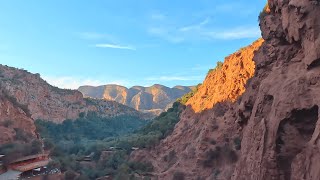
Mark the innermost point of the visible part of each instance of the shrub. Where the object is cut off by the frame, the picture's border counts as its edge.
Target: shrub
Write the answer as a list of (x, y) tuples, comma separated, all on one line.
[(216, 173), (21, 135), (233, 157), (213, 142), (184, 99), (7, 123), (70, 175), (237, 143), (219, 109), (218, 66), (141, 167), (211, 157), (178, 176)]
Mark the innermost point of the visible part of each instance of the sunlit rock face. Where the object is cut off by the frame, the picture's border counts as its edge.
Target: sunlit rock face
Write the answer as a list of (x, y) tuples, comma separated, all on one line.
[(226, 83)]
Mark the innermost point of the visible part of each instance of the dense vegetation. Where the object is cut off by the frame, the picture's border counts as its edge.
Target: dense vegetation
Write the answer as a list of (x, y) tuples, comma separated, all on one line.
[(184, 99), (71, 141), (152, 133), (90, 127)]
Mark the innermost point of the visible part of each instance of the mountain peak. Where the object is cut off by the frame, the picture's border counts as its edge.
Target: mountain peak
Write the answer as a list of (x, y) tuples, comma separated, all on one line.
[(155, 98)]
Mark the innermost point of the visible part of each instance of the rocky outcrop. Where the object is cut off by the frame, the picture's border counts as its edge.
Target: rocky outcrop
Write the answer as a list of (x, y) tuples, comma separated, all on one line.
[(154, 99), (13, 117), (226, 83), (272, 130)]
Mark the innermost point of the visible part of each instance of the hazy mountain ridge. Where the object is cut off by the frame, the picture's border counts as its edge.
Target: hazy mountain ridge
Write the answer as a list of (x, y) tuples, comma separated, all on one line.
[(155, 99)]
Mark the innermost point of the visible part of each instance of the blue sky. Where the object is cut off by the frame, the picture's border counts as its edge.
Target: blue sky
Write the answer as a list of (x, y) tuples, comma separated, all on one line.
[(127, 42)]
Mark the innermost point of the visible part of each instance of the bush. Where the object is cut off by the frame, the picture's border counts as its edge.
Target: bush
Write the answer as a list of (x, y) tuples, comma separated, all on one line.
[(237, 143), (178, 176), (141, 167), (70, 175), (211, 157), (184, 99), (21, 135), (7, 123), (218, 66)]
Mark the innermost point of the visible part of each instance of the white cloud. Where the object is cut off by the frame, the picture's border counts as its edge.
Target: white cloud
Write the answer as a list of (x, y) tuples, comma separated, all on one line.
[(196, 26), (203, 30), (96, 36), (75, 83), (166, 34), (158, 16), (200, 32), (235, 33), (175, 78), (115, 46)]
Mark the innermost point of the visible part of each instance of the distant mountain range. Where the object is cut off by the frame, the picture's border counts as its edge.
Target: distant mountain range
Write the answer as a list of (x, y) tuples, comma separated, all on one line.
[(154, 99)]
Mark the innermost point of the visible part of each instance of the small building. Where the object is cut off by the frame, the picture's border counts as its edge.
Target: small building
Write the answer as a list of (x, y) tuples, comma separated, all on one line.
[(87, 158), (24, 166)]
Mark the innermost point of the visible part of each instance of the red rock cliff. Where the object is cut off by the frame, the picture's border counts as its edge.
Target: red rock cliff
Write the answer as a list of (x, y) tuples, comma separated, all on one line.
[(272, 130)]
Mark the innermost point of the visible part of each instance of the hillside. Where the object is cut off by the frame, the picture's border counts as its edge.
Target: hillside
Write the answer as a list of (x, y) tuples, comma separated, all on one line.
[(154, 99), (270, 131), (26, 97)]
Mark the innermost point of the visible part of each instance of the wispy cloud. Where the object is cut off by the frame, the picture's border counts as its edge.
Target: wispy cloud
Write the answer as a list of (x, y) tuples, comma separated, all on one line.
[(115, 46), (76, 82), (96, 36), (195, 26), (235, 33), (110, 41), (167, 34), (175, 78), (158, 16), (203, 30)]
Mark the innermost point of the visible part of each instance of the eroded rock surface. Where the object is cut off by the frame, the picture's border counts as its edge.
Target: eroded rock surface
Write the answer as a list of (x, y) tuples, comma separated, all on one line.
[(272, 130)]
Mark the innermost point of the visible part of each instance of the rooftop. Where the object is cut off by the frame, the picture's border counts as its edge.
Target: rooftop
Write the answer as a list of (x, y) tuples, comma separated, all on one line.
[(31, 166), (28, 158)]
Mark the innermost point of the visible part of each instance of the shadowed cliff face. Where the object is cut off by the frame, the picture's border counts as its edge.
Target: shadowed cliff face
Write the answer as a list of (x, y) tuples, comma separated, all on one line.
[(280, 109), (13, 117), (272, 130)]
